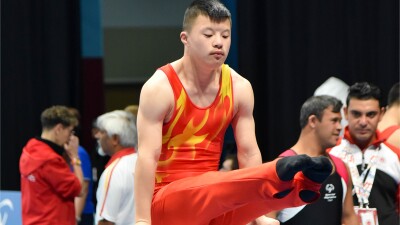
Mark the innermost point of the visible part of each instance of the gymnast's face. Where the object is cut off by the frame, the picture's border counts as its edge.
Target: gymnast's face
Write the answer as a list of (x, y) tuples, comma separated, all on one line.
[(207, 41)]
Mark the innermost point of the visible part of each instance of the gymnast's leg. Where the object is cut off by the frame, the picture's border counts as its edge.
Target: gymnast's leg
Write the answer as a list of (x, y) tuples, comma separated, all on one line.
[(206, 198)]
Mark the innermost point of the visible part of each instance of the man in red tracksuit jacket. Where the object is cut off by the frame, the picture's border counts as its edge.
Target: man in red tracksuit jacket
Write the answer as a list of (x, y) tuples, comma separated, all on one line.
[(48, 187)]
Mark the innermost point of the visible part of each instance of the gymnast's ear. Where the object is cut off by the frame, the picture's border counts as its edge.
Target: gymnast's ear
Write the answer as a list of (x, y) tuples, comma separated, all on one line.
[(183, 37)]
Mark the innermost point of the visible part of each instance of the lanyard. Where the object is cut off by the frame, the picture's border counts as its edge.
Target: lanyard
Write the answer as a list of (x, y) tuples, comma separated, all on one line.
[(362, 183)]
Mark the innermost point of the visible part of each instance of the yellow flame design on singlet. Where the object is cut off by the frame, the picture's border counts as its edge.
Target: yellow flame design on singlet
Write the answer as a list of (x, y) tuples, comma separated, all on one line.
[(192, 140)]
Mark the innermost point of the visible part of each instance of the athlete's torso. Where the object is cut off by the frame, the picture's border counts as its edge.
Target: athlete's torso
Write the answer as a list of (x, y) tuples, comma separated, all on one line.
[(328, 209), (192, 139)]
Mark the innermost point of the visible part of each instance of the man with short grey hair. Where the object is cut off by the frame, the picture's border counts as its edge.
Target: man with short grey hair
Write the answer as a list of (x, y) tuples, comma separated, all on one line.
[(116, 136)]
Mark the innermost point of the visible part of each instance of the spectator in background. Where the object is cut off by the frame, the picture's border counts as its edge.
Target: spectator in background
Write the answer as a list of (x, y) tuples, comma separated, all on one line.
[(134, 110), (320, 128), (48, 187), (389, 126), (230, 163), (84, 207), (115, 199), (374, 166), (229, 159)]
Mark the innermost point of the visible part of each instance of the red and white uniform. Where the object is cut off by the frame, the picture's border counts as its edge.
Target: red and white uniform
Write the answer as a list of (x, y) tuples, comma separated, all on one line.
[(387, 179), (115, 198)]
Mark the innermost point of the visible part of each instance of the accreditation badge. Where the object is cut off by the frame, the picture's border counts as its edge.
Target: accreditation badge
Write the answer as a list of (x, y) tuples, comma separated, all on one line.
[(367, 216)]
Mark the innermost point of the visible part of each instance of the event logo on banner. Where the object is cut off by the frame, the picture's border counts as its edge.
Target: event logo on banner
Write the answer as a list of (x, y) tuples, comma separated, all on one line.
[(6, 203), (10, 207)]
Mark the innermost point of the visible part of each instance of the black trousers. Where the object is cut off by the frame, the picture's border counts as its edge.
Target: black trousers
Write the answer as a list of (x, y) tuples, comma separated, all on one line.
[(86, 219)]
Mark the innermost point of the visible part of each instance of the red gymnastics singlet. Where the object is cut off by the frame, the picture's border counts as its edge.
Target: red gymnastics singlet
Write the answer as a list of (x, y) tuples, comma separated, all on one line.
[(193, 138)]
